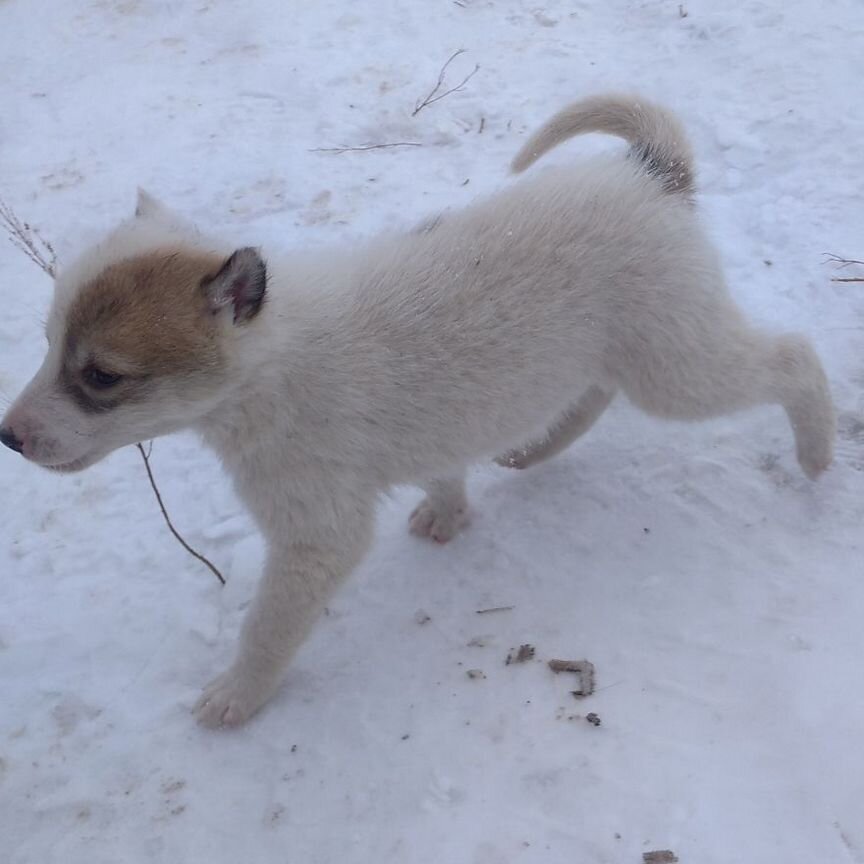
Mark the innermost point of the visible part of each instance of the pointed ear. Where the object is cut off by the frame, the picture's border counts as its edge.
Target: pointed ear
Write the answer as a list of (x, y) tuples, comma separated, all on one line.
[(147, 206), (151, 208), (240, 283)]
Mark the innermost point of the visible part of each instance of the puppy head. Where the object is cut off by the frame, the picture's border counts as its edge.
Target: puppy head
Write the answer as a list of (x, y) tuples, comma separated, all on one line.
[(142, 334)]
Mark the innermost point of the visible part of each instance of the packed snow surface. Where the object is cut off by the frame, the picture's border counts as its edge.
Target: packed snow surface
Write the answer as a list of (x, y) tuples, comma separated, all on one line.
[(718, 593)]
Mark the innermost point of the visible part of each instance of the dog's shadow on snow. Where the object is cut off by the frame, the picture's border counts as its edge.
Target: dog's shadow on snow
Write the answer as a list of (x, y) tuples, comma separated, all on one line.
[(560, 491)]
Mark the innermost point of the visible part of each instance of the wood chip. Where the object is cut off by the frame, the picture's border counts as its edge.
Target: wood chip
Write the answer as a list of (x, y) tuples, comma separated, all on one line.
[(522, 654), (661, 856), (583, 668)]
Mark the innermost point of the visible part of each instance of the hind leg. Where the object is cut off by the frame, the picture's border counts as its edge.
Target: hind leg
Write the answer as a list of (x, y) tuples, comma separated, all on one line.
[(719, 366), (802, 389), (572, 424), (443, 512)]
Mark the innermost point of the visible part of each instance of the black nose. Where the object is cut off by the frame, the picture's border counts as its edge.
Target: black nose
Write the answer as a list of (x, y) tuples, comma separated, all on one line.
[(7, 436)]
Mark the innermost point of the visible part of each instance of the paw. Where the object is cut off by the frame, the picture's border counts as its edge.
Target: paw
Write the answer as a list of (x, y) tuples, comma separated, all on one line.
[(437, 522), (815, 459), (518, 459), (230, 700)]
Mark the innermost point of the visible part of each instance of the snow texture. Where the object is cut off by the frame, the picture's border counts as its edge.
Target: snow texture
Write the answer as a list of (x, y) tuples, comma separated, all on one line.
[(718, 593)]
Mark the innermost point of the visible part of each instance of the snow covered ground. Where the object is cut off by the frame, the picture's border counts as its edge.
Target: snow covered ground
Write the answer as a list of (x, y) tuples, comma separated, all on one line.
[(719, 594)]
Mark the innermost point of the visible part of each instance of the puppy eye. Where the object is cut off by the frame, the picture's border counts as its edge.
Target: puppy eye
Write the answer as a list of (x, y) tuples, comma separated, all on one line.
[(99, 379)]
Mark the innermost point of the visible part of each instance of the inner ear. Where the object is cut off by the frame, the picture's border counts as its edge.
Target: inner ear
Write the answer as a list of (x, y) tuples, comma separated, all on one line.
[(241, 283)]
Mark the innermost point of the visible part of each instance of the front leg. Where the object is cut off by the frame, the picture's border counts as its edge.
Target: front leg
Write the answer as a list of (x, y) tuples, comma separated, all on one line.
[(444, 510), (298, 580)]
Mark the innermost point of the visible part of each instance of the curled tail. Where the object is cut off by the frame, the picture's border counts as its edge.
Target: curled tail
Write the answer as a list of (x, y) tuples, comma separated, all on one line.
[(656, 137)]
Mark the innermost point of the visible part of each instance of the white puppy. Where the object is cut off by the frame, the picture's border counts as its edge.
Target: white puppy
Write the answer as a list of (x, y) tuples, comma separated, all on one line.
[(323, 380)]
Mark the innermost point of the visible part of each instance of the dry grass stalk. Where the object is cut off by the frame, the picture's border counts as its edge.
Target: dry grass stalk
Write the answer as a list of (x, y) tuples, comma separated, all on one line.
[(28, 240), (41, 253)]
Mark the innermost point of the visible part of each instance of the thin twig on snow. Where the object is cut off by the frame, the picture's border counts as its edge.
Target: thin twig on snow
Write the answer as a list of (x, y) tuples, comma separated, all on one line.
[(365, 147), (840, 263), (202, 558), (434, 95)]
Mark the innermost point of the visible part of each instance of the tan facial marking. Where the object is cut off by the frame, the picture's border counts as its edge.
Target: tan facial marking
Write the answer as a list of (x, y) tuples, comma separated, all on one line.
[(145, 316)]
